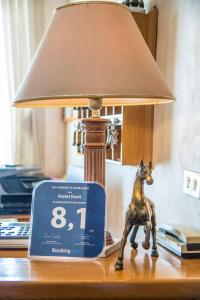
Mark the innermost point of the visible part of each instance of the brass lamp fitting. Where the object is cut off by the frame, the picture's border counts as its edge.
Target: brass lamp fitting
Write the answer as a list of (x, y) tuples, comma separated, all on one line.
[(95, 105)]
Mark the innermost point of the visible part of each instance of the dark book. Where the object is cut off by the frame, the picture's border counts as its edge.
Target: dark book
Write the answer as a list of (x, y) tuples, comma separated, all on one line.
[(16, 205), (13, 198), (15, 211)]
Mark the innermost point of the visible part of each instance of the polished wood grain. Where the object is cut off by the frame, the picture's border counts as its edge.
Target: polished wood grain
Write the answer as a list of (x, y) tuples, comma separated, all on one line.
[(148, 23), (10, 253), (143, 277), (138, 128), (137, 133)]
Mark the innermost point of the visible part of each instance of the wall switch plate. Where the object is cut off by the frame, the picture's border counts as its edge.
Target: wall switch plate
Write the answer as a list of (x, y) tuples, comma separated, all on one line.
[(191, 183)]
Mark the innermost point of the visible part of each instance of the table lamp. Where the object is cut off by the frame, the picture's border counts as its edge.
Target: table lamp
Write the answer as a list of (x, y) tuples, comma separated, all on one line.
[(93, 54)]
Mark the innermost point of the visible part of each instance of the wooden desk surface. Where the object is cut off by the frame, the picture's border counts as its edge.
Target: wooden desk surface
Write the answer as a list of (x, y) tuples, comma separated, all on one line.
[(142, 277)]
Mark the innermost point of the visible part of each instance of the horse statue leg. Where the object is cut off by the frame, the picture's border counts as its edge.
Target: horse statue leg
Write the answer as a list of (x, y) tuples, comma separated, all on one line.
[(134, 245), (146, 243), (127, 229), (154, 251)]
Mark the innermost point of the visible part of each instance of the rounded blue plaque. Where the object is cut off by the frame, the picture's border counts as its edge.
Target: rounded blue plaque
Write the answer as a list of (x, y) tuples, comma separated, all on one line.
[(68, 220)]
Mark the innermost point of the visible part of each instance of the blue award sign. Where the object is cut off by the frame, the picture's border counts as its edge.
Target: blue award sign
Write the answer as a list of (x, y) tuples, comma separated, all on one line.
[(67, 220)]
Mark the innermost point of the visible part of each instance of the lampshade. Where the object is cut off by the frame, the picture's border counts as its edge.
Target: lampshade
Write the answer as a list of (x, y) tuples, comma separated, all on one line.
[(92, 50)]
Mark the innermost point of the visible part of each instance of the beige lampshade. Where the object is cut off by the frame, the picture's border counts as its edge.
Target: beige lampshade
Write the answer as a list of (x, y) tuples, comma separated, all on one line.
[(92, 50)]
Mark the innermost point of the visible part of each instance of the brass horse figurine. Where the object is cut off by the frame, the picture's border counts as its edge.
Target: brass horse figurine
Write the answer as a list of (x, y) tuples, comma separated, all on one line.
[(140, 212)]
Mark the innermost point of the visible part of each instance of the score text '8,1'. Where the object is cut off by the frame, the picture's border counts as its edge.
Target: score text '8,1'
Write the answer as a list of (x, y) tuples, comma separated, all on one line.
[(59, 219)]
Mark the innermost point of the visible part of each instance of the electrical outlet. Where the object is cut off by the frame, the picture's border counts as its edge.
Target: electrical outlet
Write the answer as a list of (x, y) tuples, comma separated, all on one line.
[(191, 184)]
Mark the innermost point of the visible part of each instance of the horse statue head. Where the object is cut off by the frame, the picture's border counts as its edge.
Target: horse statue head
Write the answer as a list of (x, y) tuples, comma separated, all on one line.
[(144, 172)]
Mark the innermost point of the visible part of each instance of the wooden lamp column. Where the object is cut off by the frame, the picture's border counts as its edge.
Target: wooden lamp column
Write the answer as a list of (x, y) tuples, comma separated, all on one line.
[(94, 148)]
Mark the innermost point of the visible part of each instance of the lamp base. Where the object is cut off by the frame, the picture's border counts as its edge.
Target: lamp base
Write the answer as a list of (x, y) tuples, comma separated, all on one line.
[(110, 249)]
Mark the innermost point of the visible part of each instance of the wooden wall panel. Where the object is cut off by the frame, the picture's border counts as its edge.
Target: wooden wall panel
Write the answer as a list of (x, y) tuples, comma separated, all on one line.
[(137, 138), (137, 133)]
